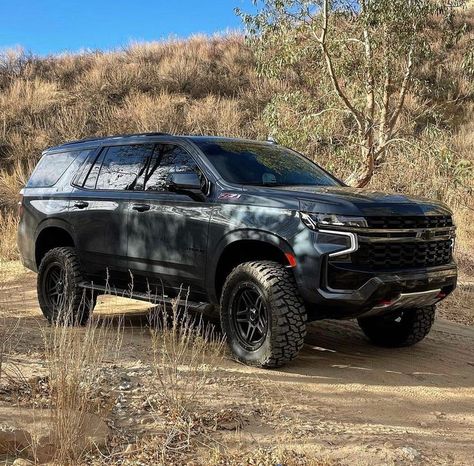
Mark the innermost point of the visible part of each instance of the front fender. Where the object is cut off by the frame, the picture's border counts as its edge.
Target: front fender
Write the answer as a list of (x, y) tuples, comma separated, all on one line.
[(244, 234)]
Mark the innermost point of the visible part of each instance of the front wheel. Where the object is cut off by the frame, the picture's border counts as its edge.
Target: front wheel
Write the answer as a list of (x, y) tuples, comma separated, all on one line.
[(403, 328), (262, 314), (60, 296)]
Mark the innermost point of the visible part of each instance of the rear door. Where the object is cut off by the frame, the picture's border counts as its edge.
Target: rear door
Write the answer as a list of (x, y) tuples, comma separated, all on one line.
[(167, 231), (99, 210)]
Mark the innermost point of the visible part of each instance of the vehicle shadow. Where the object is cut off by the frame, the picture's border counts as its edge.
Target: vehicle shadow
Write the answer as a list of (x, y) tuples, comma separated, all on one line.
[(338, 352)]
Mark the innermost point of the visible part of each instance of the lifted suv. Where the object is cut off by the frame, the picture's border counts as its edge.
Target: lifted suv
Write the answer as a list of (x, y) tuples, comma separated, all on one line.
[(252, 229)]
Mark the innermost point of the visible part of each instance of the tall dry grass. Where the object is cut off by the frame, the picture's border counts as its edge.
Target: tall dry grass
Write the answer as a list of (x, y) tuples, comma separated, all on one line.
[(186, 351), (8, 228), (74, 359)]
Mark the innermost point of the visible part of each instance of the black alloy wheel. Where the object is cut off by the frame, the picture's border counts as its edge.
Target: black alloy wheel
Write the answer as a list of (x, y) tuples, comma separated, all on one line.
[(249, 316), (53, 279)]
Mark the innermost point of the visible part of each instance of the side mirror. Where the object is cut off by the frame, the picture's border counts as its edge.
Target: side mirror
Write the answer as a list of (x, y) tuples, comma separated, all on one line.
[(186, 182)]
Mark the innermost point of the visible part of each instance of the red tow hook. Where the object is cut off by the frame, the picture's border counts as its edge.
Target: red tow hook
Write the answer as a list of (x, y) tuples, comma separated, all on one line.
[(385, 302)]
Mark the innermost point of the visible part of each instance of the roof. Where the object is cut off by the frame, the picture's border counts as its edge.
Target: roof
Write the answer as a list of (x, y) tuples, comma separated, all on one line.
[(137, 137)]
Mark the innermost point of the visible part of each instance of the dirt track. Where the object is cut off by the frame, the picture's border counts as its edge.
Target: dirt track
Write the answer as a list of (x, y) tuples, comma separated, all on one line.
[(341, 399)]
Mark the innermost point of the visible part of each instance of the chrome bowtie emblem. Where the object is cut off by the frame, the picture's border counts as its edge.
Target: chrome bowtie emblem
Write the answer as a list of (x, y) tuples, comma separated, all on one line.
[(426, 234)]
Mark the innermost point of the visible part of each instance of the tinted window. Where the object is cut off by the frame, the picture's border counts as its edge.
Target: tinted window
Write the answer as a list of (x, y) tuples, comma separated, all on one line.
[(166, 160), (50, 168), (85, 166), (122, 168), (263, 164), (93, 172)]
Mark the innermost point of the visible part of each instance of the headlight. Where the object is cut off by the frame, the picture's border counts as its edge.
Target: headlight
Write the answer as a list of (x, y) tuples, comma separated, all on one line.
[(315, 221)]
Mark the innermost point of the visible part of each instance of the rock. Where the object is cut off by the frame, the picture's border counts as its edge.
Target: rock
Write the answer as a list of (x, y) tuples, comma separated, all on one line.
[(409, 453), (31, 431), (125, 386), (22, 462)]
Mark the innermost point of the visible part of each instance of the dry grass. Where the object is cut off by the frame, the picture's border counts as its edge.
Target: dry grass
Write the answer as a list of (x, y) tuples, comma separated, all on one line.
[(9, 338), (267, 457), (74, 359), (185, 352), (8, 228)]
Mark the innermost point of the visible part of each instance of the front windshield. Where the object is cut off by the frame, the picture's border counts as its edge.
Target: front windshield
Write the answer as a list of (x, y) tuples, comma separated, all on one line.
[(263, 164)]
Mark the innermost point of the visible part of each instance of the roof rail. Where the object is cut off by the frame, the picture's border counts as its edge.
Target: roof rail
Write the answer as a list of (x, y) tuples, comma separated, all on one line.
[(82, 140), (99, 138), (146, 134)]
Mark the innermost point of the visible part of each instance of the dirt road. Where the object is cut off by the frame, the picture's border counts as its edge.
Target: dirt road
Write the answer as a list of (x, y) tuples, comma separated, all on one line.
[(342, 399)]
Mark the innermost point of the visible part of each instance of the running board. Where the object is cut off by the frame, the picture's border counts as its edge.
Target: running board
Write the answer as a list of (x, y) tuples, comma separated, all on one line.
[(152, 299)]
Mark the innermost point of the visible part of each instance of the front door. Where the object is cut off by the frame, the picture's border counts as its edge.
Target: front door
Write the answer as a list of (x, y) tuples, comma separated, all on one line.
[(167, 231)]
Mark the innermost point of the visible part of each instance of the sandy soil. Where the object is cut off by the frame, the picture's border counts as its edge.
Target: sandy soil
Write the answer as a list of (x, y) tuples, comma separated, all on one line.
[(341, 400)]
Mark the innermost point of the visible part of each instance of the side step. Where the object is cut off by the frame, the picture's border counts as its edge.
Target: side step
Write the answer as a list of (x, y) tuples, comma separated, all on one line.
[(152, 299)]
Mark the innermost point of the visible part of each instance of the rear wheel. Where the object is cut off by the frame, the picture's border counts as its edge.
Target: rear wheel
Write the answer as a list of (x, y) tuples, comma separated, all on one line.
[(60, 297), (262, 314), (403, 328)]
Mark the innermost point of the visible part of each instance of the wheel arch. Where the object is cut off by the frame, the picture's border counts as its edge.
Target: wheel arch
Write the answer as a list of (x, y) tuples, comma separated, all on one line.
[(51, 234), (244, 246)]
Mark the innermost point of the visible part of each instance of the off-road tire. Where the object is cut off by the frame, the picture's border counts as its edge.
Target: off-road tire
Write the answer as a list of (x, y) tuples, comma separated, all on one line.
[(286, 328), (404, 328), (77, 303)]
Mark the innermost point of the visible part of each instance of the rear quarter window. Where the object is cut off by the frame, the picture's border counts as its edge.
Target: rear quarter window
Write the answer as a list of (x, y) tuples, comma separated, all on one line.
[(50, 169)]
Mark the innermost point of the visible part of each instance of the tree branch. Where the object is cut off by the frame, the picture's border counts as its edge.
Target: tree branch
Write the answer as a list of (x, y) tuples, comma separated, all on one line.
[(332, 74), (403, 89)]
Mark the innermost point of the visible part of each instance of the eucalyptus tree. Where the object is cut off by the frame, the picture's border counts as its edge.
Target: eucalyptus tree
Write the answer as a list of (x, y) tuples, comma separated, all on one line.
[(358, 56)]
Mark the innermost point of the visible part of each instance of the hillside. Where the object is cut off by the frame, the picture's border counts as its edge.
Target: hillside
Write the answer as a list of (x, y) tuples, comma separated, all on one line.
[(208, 85)]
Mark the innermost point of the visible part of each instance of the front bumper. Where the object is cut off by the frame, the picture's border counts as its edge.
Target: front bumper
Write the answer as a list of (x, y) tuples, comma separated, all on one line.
[(383, 288)]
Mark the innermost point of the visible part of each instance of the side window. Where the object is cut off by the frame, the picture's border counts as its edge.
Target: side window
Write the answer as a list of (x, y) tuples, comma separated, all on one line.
[(84, 167), (167, 159), (93, 172), (50, 168), (122, 168)]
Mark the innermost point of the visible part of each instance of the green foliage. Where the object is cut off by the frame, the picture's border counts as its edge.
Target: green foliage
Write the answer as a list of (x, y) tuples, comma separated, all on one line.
[(356, 60)]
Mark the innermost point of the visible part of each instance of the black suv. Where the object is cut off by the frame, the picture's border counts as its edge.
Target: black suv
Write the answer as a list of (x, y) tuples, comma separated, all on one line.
[(251, 230)]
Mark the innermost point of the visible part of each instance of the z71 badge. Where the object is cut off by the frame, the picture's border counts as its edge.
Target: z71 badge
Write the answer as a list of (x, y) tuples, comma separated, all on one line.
[(229, 196)]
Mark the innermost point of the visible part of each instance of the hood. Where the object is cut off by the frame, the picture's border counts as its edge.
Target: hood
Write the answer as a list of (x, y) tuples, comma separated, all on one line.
[(355, 201)]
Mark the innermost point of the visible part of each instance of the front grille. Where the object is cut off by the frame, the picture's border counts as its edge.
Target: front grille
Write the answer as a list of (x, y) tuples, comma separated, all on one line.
[(396, 222), (385, 256)]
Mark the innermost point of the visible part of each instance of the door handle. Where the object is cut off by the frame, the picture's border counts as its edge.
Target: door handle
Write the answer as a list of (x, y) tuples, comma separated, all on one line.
[(81, 204), (141, 207)]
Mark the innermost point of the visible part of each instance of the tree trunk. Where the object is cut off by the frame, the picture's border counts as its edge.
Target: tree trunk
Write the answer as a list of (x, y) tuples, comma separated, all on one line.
[(367, 171)]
